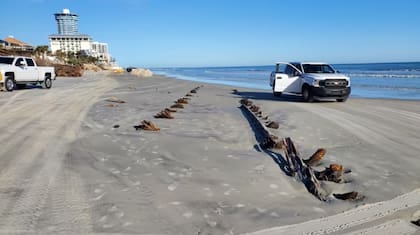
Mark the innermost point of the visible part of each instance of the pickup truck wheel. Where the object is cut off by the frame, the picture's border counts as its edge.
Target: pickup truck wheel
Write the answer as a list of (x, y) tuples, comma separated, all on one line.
[(47, 82), (9, 84), (307, 94)]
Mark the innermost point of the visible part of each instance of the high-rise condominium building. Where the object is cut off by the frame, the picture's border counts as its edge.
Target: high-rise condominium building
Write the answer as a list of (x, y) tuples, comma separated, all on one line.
[(67, 22)]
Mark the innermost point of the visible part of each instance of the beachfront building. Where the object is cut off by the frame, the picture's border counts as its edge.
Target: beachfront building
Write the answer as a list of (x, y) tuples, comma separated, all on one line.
[(70, 43), (100, 51), (69, 40), (13, 43)]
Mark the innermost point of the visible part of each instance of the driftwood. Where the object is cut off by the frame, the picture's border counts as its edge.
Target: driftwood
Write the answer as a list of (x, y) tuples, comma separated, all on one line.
[(147, 126), (303, 172), (316, 158), (164, 114)]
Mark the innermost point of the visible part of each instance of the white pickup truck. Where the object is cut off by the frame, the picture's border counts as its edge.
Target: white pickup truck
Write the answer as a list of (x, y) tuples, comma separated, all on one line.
[(17, 71), (311, 80)]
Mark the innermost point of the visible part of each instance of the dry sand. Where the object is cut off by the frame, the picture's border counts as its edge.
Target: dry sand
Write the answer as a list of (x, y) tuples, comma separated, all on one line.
[(72, 162)]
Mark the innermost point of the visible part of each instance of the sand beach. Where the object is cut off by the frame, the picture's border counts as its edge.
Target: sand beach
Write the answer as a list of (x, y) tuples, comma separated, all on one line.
[(72, 161)]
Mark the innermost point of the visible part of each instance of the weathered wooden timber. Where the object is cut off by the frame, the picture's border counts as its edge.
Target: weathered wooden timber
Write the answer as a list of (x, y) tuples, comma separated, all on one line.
[(147, 126), (303, 172), (316, 158), (295, 165)]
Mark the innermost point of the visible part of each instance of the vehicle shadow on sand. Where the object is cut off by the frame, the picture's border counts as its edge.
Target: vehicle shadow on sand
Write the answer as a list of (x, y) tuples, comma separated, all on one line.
[(262, 95)]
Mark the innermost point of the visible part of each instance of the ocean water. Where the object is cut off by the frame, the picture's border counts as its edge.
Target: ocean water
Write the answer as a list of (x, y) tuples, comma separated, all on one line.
[(372, 80)]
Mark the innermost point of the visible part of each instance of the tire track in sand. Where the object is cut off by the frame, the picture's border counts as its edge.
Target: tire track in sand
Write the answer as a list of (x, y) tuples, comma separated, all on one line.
[(47, 185)]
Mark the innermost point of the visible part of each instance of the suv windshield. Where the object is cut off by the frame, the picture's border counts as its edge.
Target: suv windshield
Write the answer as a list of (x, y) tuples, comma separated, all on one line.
[(318, 68), (6, 60)]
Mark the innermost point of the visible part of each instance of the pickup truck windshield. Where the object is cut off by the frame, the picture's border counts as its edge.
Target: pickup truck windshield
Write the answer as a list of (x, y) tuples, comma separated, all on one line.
[(6, 60), (318, 68)]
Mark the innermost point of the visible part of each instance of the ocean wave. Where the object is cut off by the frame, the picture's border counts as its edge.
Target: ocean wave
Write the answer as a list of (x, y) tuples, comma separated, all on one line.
[(377, 75)]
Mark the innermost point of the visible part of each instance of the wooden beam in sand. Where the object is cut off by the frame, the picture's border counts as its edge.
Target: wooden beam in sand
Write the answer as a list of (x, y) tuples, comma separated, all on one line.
[(296, 165), (303, 172)]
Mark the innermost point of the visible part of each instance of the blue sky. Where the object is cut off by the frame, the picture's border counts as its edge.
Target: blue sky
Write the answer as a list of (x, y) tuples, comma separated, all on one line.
[(165, 33)]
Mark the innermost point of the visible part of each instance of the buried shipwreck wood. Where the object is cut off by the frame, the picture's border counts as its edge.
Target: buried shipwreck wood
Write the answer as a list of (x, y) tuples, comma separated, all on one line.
[(164, 114), (334, 173), (171, 110), (350, 196), (271, 142), (245, 102), (267, 141), (147, 126), (115, 100), (299, 168), (273, 125), (316, 158), (182, 101), (177, 106), (416, 222)]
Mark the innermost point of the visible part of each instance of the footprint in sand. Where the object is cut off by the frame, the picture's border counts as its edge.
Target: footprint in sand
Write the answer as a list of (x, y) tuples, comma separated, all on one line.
[(113, 208), (173, 186), (120, 214), (274, 214), (98, 190), (317, 209), (187, 214), (261, 210), (98, 197), (103, 218), (127, 224)]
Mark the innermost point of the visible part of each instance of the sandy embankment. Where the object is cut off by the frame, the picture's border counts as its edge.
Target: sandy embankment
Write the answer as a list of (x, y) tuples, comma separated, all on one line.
[(203, 173)]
